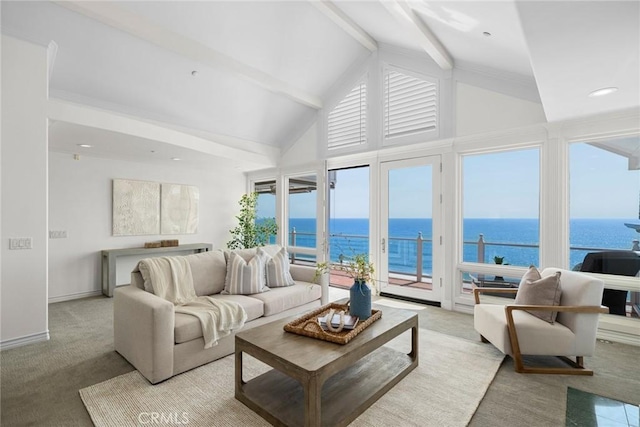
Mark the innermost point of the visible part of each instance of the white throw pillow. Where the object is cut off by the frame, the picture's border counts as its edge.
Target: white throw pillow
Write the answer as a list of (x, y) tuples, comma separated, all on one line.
[(277, 270), (245, 277)]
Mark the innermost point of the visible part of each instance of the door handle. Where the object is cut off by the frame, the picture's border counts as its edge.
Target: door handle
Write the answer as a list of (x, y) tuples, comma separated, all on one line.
[(383, 245)]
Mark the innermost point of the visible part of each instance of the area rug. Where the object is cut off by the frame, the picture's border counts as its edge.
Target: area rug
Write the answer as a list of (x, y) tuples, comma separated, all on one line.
[(444, 390)]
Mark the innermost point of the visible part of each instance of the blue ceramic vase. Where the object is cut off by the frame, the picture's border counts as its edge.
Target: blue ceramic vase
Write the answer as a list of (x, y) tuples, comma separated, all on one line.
[(360, 295)]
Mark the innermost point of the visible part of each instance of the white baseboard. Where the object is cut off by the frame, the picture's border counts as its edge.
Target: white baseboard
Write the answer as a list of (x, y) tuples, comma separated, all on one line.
[(27, 339), (74, 296)]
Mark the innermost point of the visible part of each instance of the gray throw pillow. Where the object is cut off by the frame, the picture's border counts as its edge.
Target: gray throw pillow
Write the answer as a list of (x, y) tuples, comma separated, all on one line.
[(536, 290), (277, 270), (531, 275), (245, 277)]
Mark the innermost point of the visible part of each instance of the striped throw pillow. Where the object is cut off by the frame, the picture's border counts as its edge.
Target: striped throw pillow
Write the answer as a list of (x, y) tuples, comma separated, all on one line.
[(277, 270), (245, 277)]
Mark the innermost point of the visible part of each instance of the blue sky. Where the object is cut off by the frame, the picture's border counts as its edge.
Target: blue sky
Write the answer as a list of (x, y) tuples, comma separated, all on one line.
[(602, 186), (496, 185)]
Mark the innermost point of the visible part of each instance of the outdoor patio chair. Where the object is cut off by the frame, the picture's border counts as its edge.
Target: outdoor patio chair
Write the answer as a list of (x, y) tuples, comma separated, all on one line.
[(621, 263), (516, 332)]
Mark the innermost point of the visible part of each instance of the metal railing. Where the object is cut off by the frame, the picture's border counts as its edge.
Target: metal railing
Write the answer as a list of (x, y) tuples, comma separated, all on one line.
[(419, 247)]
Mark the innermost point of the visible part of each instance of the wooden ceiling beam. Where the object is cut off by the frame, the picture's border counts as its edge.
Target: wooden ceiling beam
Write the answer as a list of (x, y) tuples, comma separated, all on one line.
[(402, 11), (117, 17), (347, 24)]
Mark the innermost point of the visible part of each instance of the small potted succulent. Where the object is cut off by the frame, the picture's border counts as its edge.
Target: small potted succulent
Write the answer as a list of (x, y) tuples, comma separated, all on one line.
[(500, 261)]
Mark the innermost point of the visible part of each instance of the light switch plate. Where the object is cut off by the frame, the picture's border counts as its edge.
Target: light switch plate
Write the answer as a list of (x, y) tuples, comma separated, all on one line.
[(20, 243)]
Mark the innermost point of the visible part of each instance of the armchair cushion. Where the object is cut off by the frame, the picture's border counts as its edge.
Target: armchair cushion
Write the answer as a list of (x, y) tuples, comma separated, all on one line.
[(535, 336), (536, 290)]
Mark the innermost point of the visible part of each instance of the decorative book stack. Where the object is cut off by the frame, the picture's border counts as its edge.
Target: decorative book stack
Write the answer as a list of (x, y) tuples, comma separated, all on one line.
[(350, 322)]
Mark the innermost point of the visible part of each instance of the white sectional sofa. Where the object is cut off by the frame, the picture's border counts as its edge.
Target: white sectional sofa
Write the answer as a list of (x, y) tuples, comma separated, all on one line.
[(160, 343)]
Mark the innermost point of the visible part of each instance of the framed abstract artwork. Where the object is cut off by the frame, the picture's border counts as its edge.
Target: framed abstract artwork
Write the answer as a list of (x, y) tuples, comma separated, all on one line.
[(136, 208), (179, 209)]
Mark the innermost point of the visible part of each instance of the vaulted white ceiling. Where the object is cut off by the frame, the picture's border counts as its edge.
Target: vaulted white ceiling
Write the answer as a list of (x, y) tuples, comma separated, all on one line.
[(264, 68)]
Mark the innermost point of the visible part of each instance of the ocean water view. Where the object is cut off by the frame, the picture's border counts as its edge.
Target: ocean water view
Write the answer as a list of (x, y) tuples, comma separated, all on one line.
[(349, 235)]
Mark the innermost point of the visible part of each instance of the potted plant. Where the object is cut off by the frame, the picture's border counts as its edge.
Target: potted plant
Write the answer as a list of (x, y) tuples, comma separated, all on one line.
[(498, 260), (362, 272), (249, 233)]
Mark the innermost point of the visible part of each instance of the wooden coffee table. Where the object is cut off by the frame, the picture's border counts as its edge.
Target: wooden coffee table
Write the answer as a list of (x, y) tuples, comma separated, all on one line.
[(319, 383)]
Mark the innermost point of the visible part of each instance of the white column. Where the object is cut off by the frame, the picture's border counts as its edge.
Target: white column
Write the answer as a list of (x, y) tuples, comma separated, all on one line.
[(24, 192), (554, 203)]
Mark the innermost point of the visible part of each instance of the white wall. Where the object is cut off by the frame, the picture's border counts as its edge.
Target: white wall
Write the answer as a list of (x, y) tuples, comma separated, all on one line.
[(24, 192), (480, 110), (305, 150), (80, 195)]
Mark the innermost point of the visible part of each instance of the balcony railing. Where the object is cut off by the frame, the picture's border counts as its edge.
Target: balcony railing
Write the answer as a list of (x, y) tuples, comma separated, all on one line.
[(403, 248)]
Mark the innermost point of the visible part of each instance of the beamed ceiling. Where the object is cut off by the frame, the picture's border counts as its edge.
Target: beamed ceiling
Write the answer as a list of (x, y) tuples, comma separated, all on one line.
[(263, 69)]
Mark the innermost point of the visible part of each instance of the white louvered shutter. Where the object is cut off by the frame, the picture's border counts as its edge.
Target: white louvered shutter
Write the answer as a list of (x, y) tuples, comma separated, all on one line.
[(410, 104), (347, 123)]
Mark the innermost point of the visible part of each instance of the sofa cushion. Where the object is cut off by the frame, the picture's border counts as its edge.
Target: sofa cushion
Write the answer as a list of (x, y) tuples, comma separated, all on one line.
[(277, 270), (281, 299), (188, 327), (209, 270), (146, 276), (249, 253), (245, 254), (271, 250), (245, 277)]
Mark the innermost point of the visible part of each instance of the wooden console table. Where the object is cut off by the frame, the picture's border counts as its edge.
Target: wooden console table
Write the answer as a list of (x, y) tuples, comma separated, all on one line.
[(110, 256)]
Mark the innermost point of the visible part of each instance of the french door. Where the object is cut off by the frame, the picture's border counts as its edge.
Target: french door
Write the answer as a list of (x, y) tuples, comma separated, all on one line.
[(410, 224)]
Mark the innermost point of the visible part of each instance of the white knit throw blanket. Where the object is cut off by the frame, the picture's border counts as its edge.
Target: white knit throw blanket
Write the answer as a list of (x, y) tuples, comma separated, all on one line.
[(218, 318), (172, 280)]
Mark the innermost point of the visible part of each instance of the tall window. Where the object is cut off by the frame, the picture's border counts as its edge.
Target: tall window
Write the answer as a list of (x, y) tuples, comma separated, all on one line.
[(604, 225), (410, 104), (347, 122), (604, 197), (266, 208), (501, 221), (302, 213)]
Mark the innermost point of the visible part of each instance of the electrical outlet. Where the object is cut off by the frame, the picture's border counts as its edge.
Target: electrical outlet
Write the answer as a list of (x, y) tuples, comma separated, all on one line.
[(57, 234), (21, 243)]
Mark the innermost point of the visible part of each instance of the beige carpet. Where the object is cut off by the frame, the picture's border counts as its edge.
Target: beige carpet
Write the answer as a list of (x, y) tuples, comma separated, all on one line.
[(444, 390)]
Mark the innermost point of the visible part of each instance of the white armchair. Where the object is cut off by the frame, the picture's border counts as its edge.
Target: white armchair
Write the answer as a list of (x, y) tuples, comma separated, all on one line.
[(516, 332)]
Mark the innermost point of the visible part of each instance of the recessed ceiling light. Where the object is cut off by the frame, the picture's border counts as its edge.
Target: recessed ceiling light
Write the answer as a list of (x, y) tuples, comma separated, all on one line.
[(486, 34), (602, 92), (194, 73), (84, 145), (177, 159)]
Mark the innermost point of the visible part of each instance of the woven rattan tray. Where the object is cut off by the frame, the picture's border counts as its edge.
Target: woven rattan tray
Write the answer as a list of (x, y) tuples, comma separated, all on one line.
[(307, 325)]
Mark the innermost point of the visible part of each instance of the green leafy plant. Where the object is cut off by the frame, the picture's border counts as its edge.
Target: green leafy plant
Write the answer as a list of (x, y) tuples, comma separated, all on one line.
[(321, 268), (248, 233), (356, 266)]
